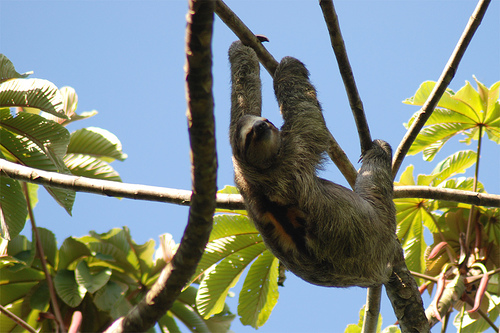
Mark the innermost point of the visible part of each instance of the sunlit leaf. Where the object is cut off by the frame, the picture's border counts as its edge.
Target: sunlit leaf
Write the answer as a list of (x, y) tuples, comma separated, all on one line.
[(71, 250), (217, 282), (259, 293), (96, 142), (91, 167), (34, 93), (7, 70), (68, 289)]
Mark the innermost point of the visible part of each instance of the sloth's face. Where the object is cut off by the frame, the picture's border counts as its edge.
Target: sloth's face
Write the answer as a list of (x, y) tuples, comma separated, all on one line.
[(258, 141)]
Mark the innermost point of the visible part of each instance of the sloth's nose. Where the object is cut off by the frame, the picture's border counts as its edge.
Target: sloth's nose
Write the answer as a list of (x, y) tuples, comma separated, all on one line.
[(259, 127)]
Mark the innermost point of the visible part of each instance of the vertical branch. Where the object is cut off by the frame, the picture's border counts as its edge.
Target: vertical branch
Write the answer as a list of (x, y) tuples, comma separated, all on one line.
[(201, 125), (441, 85), (372, 309), (43, 261), (338, 45)]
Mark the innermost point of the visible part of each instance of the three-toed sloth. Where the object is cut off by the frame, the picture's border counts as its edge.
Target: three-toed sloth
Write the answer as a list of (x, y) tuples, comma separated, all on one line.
[(324, 233)]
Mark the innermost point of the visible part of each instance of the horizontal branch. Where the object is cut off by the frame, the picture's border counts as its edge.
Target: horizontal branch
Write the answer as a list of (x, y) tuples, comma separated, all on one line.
[(225, 201)]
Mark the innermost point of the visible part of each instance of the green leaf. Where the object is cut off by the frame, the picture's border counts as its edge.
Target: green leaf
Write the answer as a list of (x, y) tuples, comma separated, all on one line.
[(107, 296), (13, 209), (230, 225), (406, 177), (432, 138), (38, 143), (190, 317), (411, 215), (470, 325), (7, 70), (49, 245), (34, 93), (96, 142), (91, 167), (222, 248), (71, 250), (91, 282), (450, 166), (217, 282), (11, 292), (70, 102), (68, 289), (259, 294), (40, 298)]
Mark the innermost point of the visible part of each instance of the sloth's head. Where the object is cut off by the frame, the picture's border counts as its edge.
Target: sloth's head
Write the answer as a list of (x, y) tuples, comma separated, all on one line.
[(256, 141)]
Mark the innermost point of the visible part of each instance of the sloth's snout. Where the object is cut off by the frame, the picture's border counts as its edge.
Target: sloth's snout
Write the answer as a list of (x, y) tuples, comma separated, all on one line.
[(259, 127)]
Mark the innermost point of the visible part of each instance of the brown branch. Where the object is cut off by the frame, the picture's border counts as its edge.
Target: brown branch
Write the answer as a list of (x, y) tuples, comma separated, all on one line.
[(342, 162), (441, 85), (338, 45), (447, 194), (225, 201), (372, 309), (403, 293), (246, 36), (43, 261), (200, 115), (16, 319)]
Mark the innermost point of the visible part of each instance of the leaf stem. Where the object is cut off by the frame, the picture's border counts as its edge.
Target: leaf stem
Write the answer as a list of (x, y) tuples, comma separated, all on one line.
[(474, 185)]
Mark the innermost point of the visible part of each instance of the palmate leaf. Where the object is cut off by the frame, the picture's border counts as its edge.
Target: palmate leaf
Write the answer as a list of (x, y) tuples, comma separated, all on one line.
[(450, 166), (33, 93), (96, 142), (432, 138), (462, 112), (7, 70)]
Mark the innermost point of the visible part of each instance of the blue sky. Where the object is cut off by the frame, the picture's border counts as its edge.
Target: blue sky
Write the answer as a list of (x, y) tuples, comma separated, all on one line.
[(126, 58)]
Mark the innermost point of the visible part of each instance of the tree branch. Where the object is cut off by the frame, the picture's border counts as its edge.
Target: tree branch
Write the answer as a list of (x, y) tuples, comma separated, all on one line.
[(246, 36), (225, 201), (372, 309), (201, 124), (340, 51), (441, 85), (403, 293)]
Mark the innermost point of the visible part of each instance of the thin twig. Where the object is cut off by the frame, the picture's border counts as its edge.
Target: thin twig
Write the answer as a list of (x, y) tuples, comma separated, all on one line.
[(16, 319), (338, 45), (441, 85), (226, 201), (43, 261)]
